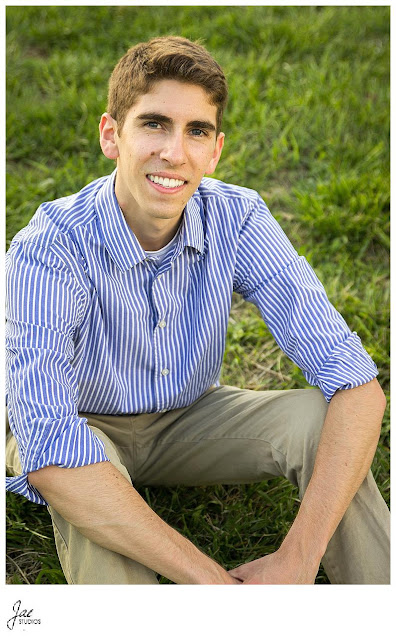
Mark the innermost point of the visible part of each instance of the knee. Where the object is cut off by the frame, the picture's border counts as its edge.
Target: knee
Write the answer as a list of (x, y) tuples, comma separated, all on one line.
[(314, 412), (310, 415), (111, 452), (305, 430)]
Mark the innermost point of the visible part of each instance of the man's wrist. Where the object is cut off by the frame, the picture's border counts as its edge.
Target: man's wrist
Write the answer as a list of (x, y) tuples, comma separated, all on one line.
[(212, 573), (304, 547)]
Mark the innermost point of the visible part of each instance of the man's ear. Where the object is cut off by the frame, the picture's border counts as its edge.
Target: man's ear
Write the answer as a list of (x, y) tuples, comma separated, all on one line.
[(107, 131), (216, 154)]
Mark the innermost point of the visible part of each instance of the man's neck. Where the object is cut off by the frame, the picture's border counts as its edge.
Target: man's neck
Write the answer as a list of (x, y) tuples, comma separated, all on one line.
[(155, 240), (156, 235)]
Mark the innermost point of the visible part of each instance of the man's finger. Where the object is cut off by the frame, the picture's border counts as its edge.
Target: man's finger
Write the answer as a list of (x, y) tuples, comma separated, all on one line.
[(234, 573)]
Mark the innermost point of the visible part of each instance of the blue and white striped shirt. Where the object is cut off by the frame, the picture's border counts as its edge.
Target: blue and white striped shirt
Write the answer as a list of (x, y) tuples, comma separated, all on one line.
[(94, 326)]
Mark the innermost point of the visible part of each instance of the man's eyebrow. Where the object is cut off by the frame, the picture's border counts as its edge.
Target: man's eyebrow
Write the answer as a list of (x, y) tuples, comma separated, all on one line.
[(193, 124), (201, 124), (158, 117)]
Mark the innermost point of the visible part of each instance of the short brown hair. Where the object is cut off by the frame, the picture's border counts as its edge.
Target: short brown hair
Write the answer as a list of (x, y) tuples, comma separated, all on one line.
[(168, 57)]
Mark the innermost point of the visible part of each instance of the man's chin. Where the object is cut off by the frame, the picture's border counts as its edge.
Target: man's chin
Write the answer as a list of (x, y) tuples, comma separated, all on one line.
[(168, 216)]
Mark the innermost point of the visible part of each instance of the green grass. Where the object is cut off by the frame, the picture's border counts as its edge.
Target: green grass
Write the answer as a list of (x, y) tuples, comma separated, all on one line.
[(307, 126)]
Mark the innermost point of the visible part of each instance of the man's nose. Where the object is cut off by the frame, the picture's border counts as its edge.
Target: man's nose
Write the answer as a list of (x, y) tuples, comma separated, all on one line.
[(174, 151)]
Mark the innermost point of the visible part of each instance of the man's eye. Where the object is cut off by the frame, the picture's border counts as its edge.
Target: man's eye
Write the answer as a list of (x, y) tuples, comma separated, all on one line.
[(198, 132), (153, 125)]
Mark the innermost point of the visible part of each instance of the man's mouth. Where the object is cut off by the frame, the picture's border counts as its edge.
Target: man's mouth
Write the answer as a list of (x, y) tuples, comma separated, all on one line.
[(166, 183)]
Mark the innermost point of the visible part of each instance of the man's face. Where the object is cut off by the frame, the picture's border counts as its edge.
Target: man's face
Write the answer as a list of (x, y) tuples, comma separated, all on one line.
[(168, 142)]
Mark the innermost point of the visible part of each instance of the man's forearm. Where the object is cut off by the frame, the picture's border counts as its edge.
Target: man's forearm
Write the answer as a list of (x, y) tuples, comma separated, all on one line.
[(110, 512), (346, 449)]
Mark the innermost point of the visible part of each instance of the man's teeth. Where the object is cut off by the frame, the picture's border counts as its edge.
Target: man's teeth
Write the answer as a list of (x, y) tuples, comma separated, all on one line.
[(166, 182)]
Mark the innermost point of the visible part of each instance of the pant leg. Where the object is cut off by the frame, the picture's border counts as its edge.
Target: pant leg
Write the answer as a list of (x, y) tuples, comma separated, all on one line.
[(237, 436), (84, 561)]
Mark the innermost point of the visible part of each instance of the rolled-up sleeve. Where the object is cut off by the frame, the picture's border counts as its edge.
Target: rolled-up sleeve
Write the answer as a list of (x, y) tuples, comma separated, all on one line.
[(295, 307), (45, 305)]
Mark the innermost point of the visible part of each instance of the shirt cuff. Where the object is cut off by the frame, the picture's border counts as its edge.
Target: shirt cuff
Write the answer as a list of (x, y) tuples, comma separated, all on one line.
[(348, 366), (77, 446), (20, 484)]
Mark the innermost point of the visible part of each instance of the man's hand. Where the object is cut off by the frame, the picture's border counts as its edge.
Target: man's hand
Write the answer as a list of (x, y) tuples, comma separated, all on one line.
[(276, 568)]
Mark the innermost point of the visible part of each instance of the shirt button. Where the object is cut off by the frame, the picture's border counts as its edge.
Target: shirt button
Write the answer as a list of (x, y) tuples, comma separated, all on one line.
[(164, 372), (162, 324)]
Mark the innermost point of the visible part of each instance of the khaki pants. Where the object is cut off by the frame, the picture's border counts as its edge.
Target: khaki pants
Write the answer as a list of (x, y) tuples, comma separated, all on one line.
[(228, 436)]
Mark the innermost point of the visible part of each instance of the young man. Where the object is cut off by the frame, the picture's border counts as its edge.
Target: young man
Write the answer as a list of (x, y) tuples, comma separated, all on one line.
[(118, 302)]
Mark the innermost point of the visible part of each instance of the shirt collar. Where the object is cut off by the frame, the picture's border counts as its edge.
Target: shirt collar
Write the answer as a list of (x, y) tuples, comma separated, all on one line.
[(193, 223), (120, 241)]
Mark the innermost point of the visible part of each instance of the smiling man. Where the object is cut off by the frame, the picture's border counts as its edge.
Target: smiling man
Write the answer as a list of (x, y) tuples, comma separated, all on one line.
[(162, 155), (118, 303)]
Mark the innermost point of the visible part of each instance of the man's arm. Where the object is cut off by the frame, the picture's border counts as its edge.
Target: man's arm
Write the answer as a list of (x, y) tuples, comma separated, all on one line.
[(47, 301), (348, 442), (105, 508)]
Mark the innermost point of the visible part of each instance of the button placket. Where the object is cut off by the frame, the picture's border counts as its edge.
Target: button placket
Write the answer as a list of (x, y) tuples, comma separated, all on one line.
[(161, 368)]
